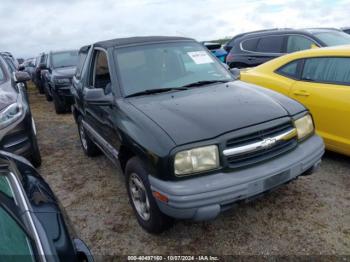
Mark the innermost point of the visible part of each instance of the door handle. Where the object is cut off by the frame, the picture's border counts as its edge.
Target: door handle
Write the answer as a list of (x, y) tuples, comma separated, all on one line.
[(301, 93)]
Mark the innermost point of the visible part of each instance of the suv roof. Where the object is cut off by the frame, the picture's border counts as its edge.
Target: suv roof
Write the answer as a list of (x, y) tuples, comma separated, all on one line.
[(139, 40), (284, 31)]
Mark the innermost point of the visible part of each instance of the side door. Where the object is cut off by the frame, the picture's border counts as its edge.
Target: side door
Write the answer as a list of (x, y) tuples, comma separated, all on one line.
[(99, 117), (324, 89)]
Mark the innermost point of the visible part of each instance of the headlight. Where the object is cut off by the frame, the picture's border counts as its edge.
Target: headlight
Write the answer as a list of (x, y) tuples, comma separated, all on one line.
[(304, 126), (62, 81), (196, 160), (10, 114)]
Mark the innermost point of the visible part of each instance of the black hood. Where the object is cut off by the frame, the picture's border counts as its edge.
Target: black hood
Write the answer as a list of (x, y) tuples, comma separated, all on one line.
[(64, 72), (206, 112)]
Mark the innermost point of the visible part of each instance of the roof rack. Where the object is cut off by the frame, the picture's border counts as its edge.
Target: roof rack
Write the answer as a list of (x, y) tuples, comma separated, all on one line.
[(320, 28), (262, 30)]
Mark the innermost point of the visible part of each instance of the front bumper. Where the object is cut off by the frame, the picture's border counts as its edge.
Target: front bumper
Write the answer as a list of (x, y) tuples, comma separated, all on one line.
[(63, 91), (17, 139), (203, 198), (64, 94)]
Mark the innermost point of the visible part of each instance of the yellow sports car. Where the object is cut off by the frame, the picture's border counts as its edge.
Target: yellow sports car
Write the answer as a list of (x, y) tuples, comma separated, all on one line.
[(319, 79)]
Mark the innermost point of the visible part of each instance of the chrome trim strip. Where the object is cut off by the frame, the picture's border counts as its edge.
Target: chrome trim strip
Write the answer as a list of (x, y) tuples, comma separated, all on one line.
[(266, 143), (17, 142), (23, 199), (100, 140)]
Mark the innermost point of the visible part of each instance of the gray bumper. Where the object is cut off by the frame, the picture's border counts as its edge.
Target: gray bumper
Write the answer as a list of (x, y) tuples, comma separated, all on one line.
[(203, 198)]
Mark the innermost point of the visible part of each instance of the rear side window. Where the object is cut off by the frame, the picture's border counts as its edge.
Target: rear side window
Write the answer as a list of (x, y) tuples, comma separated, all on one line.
[(289, 70), (101, 76), (298, 43), (250, 44), (43, 59), (270, 44), (81, 61), (334, 70)]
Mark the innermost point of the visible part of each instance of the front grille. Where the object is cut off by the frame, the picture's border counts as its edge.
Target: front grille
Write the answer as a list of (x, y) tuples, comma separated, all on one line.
[(263, 154)]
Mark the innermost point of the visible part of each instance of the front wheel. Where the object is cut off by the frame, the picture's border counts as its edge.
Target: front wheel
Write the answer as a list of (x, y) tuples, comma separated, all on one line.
[(141, 199), (35, 157), (89, 147), (60, 106), (47, 94)]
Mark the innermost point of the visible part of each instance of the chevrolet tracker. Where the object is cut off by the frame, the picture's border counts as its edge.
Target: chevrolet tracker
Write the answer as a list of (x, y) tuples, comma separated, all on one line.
[(190, 139)]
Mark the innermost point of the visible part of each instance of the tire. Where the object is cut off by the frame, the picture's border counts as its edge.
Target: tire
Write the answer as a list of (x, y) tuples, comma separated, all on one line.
[(40, 88), (89, 147), (60, 106), (142, 201), (35, 157), (47, 94)]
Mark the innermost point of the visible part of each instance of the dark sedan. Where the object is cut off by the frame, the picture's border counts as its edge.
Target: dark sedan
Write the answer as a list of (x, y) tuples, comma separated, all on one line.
[(32, 224), (17, 127)]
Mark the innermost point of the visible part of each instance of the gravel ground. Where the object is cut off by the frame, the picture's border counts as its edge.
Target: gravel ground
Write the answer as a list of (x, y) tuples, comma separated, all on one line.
[(310, 216)]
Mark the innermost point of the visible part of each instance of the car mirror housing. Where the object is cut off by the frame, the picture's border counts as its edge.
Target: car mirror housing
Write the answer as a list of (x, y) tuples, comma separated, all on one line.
[(97, 96), (21, 67), (236, 73), (21, 76)]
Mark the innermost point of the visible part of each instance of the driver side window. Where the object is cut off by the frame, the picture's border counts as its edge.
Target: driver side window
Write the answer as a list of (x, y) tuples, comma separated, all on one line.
[(101, 76)]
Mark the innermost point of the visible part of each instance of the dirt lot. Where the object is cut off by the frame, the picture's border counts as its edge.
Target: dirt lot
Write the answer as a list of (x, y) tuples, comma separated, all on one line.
[(309, 216)]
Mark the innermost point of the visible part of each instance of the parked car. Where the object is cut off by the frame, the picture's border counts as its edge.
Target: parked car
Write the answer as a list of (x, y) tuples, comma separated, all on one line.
[(10, 61), (190, 140), (28, 66), (33, 225), (17, 127), (40, 64), (320, 80), (216, 49), (58, 74), (255, 48)]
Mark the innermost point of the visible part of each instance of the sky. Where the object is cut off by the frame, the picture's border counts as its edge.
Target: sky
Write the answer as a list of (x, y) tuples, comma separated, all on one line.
[(29, 27)]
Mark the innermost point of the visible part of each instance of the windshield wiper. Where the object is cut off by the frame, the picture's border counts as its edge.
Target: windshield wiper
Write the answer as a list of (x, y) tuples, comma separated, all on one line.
[(205, 82), (157, 90)]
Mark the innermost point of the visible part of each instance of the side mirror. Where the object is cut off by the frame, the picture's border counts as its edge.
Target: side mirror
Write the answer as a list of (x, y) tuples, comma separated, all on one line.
[(21, 67), (97, 96), (225, 65), (313, 46), (21, 77), (236, 73)]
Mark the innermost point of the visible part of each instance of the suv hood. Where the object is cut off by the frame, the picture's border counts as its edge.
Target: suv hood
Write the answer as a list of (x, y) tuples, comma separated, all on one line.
[(64, 72), (206, 112)]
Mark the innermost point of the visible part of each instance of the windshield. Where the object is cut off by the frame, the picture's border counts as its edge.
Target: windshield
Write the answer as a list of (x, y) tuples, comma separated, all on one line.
[(64, 59), (166, 65), (333, 38)]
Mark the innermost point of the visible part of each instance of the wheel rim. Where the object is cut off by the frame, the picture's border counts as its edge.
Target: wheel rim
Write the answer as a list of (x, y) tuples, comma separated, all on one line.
[(139, 196), (82, 137)]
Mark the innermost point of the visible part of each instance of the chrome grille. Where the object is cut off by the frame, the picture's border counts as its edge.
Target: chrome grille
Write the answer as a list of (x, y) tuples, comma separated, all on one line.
[(260, 146)]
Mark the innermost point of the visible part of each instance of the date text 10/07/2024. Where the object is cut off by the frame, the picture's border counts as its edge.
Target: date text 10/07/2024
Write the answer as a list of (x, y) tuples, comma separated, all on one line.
[(173, 258)]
